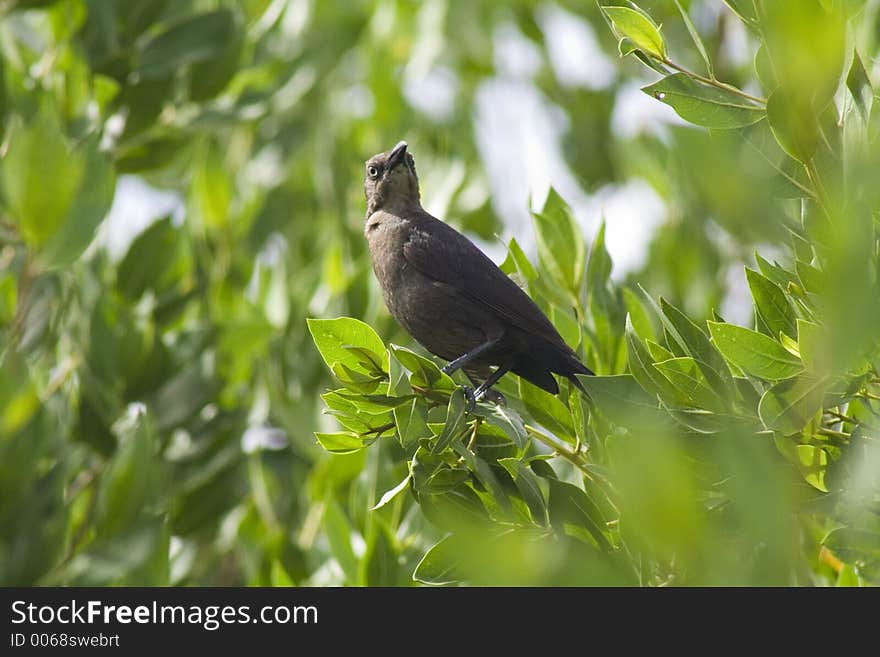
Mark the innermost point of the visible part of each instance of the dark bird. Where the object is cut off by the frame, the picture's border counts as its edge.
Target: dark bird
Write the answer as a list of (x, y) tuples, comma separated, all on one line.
[(448, 294)]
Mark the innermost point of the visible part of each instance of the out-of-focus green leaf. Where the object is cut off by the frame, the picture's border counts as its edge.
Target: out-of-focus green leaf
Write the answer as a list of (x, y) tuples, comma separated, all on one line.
[(339, 535), (789, 405), (390, 494), (39, 159), (85, 213), (811, 461), (794, 126), (147, 262), (133, 478), (859, 85), (440, 563), (705, 106), (573, 512), (527, 484), (197, 38), (379, 566), (695, 36)]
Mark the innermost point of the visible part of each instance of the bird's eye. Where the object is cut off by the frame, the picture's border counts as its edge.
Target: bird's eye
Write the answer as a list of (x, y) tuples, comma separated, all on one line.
[(373, 172)]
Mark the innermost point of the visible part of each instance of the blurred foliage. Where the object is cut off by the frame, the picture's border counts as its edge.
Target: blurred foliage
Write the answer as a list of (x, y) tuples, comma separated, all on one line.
[(159, 405)]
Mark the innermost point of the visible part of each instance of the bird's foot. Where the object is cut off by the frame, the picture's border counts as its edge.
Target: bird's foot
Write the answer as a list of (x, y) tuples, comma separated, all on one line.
[(494, 396), (472, 396), (470, 399)]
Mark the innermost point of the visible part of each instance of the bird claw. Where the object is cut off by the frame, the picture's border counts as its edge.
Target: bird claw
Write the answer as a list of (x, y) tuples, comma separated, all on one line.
[(470, 398)]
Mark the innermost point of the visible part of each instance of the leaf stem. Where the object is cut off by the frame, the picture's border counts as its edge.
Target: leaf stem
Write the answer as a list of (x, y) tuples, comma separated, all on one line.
[(712, 82), (571, 456), (380, 429)]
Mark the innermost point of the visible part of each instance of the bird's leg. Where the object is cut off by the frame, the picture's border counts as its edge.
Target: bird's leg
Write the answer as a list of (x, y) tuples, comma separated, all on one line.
[(500, 371), (461, 361), (473, 396), (477, 377)]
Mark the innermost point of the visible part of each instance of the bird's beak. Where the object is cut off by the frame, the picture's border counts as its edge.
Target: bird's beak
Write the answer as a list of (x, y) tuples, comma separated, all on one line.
[(396, 155)]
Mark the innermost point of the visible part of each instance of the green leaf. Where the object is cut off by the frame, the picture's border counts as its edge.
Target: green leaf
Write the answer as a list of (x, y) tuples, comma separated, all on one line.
[(572, 511), (696, 342), (560, 242), (599, 267), (638, 28), (343, 442), (794, 124), (855, 545), (85, 213), (412, 423), (620, 398), (859, 85), (754, 352), (509, 421), (746, 11), (389, 495), (811, 340), (425, 373), (641, 367), (695, 36), (487, 478), (379, 566), (199, 38), (528, 486), (772, 304), (455, 415), (812, 279), (148, 261), (641, 319), (517, 262), (687, 376), (40, 176), (338, 531), (133, 478), (705, 106), (547, 410), (789, 405), (440, 563), (333, 336), (810, 460)]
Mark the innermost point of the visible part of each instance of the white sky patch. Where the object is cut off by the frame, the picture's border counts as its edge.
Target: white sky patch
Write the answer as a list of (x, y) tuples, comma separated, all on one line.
[(515, 55), (136, 205), (433, 94), (636, 112), (575, 54), (632, 212), (519, 135)]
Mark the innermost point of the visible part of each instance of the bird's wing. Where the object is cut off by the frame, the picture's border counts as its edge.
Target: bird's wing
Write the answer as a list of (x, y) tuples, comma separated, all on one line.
[(440, 252)]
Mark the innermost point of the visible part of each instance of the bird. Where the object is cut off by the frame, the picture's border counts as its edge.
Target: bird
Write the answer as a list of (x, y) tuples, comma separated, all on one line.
[(449, 295)]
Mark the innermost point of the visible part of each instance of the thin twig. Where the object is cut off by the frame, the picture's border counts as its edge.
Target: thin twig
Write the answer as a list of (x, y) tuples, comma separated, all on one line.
[(713, 83), (379, 430), (573, 457)]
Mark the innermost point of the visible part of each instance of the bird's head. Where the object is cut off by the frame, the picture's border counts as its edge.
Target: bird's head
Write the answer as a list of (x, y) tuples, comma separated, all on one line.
[(390, 180)]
